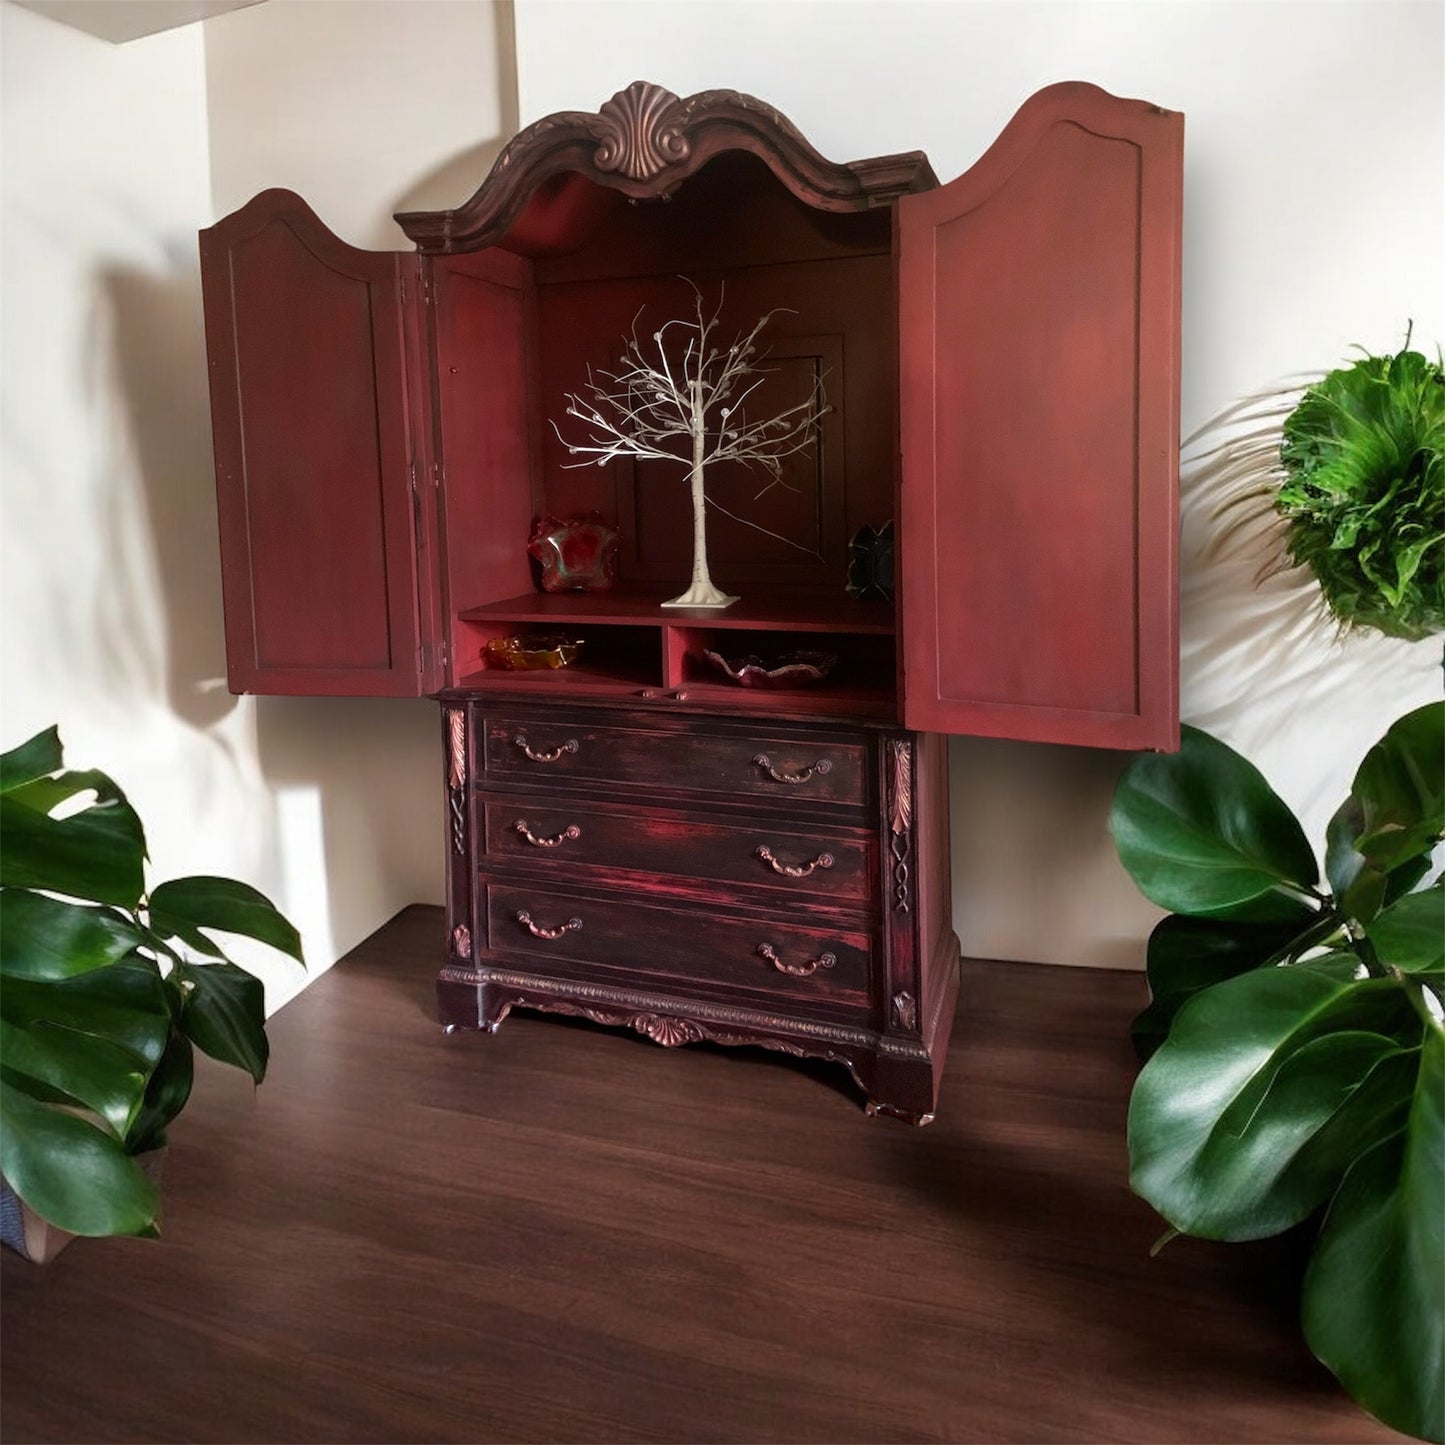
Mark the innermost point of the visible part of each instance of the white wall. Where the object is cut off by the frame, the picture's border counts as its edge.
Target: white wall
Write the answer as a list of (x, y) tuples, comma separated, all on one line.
[(110, 620), (1315, 219)]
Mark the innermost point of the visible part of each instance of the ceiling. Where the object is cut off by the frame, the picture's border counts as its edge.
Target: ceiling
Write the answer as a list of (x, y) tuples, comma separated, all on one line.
[(122, 20)]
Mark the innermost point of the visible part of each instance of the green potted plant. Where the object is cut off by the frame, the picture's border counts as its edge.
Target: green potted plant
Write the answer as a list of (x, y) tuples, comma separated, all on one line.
[(108, 987), (1296, 1040)]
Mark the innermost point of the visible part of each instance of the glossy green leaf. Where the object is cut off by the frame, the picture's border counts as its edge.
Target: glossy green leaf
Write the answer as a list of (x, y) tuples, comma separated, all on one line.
[(1202, 833), (1190, 954), (1374, 1294), (45, 795), (166, 1095), (98, 854), (1400, 788), (47, 938), (123, 1005), (225, 1015), (224, 905), (103, 1076), (69, 1172), (36, 758), (1410, 934), (1226, 1121)]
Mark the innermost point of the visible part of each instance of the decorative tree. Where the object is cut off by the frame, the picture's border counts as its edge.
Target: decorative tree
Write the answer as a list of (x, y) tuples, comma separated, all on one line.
[(688, 408)]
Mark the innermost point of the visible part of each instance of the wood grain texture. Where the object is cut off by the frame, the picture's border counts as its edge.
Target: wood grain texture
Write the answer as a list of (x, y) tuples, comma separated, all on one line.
[(308, 349), (1038, 347), (405, 1237)]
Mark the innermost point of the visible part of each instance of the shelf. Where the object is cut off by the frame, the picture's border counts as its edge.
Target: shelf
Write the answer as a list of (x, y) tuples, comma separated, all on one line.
[(792, 612)]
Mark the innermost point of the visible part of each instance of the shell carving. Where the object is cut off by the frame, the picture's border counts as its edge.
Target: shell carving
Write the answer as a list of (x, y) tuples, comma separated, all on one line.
[(640, 132), (668, 1032)]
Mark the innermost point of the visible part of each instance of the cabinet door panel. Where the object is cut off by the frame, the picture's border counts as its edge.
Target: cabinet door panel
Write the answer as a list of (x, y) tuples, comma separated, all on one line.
[(1038, 317), (313, 466)]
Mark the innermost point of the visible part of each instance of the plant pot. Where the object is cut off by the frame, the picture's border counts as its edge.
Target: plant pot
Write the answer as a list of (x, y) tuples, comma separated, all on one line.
[(37, 1239)]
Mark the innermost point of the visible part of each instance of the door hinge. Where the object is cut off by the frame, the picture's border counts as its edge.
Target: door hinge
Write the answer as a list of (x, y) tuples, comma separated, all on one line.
[(401, 281), (446, 653)]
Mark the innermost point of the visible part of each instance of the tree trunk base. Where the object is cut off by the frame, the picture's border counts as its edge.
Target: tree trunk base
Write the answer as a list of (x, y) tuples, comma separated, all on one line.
[(702, 595)]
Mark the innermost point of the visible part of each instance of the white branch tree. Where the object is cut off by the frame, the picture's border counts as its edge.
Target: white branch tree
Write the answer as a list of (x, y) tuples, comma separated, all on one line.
[(686, 405)]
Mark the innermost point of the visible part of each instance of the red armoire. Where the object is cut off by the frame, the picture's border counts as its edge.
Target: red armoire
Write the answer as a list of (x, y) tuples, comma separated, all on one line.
[(634, 838)]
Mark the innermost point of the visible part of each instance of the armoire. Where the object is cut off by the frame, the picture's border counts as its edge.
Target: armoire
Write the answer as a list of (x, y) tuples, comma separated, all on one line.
[(634, 838)]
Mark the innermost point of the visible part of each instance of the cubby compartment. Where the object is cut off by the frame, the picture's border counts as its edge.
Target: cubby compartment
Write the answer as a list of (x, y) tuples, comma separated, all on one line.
[(611, 658)]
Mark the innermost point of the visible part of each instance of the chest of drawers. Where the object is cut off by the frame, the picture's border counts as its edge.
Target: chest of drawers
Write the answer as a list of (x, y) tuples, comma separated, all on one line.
[(781, 884)]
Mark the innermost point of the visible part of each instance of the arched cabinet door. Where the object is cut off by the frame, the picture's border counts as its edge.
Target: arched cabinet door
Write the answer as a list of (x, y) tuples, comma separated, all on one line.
[(1039, 363), (315, 473)]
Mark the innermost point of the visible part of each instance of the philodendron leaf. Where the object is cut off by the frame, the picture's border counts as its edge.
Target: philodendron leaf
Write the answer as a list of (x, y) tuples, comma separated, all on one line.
[(1374, 1294), (1202, 833), (98, 853), (1234, 1127), (1190, 954), (186, 904), (97, 1073), (165, 1096), (1400, 789), (47, 938), (123, 1005), (69, 1172), (37, 758), (1410, 934), (225, 1015)]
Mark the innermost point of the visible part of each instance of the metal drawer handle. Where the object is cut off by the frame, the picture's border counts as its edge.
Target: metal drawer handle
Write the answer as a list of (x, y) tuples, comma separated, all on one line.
[(792, 870), (820, 767), (798, 970), (571, 831), (525, 919), (545, 755)]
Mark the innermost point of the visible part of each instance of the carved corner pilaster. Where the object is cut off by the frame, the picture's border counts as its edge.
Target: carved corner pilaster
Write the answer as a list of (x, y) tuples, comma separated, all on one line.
[(456, 720), (900, 817)]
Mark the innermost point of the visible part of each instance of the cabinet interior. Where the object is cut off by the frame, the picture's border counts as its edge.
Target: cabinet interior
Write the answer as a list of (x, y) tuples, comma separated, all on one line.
[(578, 270)]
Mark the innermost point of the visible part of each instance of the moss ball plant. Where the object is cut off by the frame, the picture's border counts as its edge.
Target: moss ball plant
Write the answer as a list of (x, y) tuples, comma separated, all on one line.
[(1364, 492)]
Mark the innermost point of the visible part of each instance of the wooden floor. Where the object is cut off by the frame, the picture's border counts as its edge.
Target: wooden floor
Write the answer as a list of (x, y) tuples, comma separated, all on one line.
[(566, 1233)]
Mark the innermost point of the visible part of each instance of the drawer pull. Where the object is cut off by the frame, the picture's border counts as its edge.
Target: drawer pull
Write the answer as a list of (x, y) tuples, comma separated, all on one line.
[(797, 970), (571, 831), (525, 919), (792, 870), (820, 767), (545, 755)]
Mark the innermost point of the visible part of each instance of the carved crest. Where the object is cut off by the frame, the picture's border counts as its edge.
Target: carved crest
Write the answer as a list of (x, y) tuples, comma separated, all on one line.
[(462, 941), (640, 132)]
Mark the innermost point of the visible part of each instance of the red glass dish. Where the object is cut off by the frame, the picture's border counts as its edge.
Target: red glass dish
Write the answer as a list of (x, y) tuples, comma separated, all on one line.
[(578, 554)]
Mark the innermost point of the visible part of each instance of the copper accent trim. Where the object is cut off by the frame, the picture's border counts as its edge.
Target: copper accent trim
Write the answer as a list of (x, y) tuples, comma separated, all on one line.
[(457, 747), (792, 870), (900, 755), (545, 755), (638, 1001), (796, 970), (572, 925), (905, 1010), (900, 819), (568, 834), (462, 941), (821, 767)]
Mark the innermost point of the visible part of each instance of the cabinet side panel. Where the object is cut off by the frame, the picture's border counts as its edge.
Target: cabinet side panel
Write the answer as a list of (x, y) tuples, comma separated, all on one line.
[(1039, 331), (485, 309), (309, 411)]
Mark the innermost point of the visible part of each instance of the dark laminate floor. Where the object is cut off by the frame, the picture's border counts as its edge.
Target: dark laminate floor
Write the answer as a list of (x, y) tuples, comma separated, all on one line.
[(565, 1233)]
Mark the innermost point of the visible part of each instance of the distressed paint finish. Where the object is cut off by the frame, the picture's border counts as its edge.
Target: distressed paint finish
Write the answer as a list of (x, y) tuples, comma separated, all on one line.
[(610, 896), (307, 344), (1039, 343)]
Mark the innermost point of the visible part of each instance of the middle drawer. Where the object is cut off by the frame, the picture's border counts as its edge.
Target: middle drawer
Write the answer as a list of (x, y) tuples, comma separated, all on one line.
[(822, 862)]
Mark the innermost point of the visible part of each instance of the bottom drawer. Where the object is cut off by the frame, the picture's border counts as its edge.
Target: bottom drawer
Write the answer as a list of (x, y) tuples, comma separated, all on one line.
[(822, 965)]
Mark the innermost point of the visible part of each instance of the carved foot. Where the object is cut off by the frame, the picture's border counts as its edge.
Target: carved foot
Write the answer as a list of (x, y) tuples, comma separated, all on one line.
[(464, 1001), (873, 1109)]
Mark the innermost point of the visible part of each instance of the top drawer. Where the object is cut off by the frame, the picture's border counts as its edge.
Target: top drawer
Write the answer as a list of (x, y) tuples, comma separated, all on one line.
[(786, 769)]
